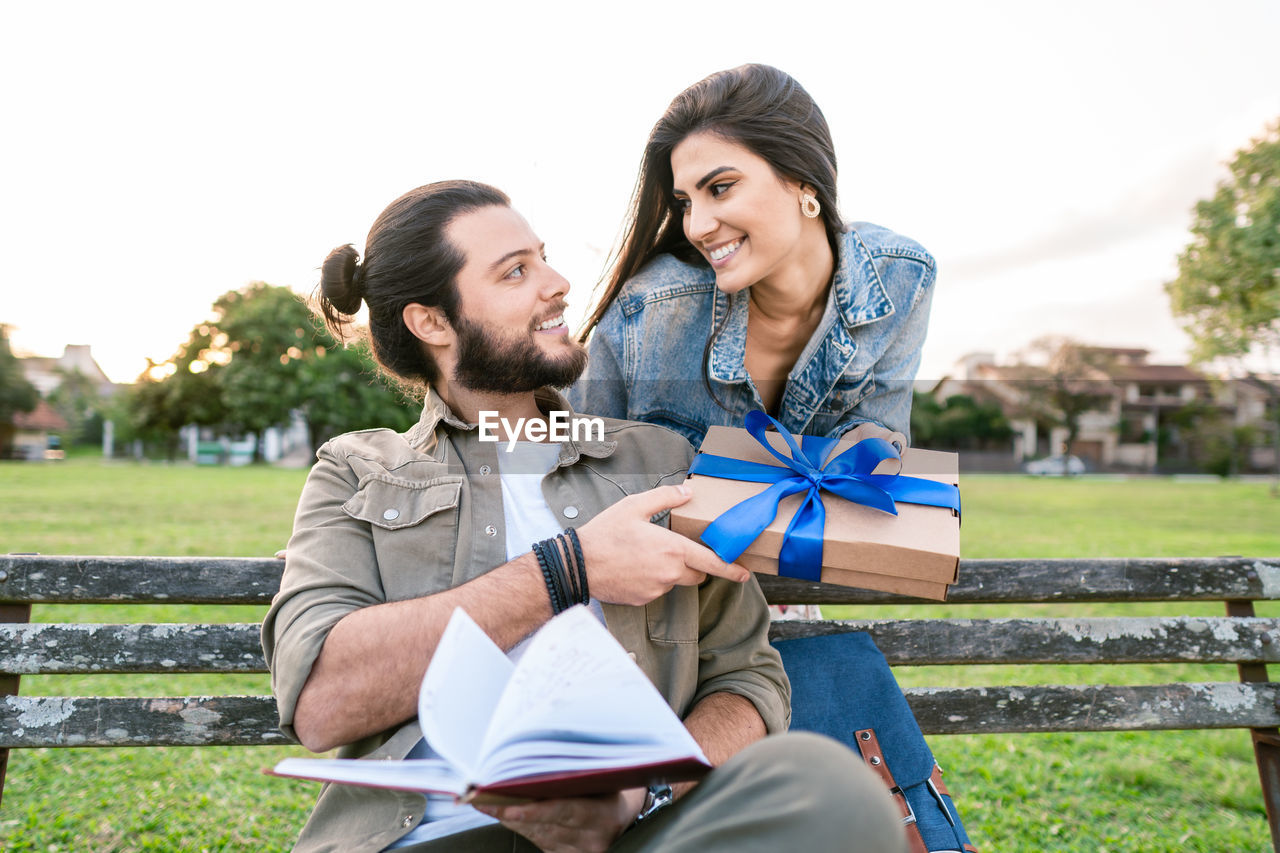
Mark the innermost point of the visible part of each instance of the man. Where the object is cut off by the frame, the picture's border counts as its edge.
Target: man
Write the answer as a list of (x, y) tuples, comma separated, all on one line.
[(395, 531)]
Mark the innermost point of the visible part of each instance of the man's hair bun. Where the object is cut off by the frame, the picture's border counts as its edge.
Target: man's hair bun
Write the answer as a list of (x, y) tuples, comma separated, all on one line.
[(342, 279)]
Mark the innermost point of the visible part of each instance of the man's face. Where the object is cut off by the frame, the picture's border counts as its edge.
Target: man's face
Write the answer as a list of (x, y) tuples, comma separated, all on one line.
[(512, 336)]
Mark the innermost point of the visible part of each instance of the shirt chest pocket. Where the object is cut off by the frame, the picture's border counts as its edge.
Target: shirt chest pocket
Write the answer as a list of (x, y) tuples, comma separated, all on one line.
[(415, 531)]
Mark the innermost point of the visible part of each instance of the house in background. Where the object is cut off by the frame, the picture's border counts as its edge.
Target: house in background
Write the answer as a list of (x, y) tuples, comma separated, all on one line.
[(1144, 416), (32, 430), (46, 372)]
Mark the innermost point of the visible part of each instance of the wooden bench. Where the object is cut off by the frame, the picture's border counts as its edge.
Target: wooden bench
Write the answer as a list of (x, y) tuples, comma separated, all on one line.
[(1238, 637)]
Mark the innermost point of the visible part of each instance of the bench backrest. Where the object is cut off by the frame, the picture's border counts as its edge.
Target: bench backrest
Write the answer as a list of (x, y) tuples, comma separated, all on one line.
[(1234, 638)]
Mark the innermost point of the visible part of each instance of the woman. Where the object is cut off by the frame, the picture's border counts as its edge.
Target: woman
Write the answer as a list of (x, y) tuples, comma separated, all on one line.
[(738, 287)]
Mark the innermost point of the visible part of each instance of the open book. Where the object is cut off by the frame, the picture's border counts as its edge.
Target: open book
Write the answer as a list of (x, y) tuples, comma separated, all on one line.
[(575, 717)]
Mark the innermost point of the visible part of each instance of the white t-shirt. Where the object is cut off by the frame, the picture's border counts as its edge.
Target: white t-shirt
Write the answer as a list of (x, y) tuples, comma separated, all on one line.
[(528, 519)]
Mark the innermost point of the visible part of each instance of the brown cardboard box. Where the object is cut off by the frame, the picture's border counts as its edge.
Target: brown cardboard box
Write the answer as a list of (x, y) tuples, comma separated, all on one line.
[(913, 553)]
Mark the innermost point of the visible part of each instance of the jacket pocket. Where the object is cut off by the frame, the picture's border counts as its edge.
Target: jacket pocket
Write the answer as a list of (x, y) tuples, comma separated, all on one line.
[(673, 618), (391, 504), (848, 393)]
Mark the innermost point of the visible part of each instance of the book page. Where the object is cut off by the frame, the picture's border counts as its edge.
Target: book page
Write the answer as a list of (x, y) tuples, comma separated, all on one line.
[(463, 684), (575, 683), (426, 775)]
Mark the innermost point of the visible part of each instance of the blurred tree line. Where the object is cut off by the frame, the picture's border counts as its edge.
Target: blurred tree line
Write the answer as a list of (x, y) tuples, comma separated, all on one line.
[(262, 357), (958, 423)]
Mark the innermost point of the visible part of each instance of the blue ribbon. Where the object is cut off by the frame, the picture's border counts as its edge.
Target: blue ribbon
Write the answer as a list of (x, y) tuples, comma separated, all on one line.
[(847, 475)]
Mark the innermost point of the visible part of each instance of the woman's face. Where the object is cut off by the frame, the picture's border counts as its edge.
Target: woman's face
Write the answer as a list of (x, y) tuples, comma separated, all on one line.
[(738, 213)]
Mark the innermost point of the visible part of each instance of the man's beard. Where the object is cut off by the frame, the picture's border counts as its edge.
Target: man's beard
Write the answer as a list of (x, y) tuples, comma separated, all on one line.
[(491, 362)]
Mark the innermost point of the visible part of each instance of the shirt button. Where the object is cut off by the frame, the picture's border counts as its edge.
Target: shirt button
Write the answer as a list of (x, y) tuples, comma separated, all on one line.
[(485, 469), (407, 822), (491, 530), (391, 514), (571, 512)]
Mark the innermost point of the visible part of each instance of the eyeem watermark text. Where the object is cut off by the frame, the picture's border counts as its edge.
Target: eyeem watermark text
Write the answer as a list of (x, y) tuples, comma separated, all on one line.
[(558, 426)]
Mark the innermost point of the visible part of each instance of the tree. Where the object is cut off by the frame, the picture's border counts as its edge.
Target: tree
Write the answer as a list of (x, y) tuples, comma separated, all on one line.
[(259, 359), (1228, 284), (16, 393), (340, 389), (959, 422), (1059, 380), (78, 400)]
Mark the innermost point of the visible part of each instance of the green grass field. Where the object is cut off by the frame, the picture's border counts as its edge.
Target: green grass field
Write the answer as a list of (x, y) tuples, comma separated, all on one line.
[(1167, 791)]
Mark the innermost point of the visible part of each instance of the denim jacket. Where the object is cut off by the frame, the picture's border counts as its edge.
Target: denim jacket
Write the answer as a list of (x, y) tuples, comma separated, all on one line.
[(647, 353)]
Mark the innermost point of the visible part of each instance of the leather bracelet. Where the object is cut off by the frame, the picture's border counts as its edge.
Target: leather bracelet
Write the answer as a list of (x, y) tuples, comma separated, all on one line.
[(580, 565), (564, 562), (548, 577), (555, 556)]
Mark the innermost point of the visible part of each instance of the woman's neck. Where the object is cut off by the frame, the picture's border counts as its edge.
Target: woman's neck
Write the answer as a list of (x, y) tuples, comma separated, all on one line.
[(797, 292), (783, 312)]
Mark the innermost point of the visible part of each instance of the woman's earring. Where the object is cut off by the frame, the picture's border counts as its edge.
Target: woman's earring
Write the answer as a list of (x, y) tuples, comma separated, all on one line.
[(809, 206)]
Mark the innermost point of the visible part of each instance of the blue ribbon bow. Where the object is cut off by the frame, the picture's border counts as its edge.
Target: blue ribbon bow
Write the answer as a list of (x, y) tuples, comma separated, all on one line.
[(847, 475)]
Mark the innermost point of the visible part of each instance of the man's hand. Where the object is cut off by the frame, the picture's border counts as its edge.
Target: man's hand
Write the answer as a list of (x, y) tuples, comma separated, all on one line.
[(582, 825), (633, 561), (870, 430)]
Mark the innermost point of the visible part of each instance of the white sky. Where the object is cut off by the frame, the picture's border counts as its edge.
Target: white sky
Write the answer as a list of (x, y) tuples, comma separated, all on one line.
[(156, 155)]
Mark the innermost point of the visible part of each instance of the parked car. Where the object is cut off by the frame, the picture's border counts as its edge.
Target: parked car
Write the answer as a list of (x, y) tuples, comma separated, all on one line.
[(1055, 466)]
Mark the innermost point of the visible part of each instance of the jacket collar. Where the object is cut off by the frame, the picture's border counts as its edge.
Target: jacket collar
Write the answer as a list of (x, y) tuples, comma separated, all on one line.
[(437, 415), (858, 293)]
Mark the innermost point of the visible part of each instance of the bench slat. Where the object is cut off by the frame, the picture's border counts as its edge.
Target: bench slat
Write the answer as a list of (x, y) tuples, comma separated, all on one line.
[(154, 580), (230, 580), (27, 722), (31, 649), (234, 648), (1040, 581), (1088, 640), (1094, 708)]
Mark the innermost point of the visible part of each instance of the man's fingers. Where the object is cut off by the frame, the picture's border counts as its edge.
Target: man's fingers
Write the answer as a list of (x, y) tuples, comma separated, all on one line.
[(563, 812), (654, 501), (702, 559)]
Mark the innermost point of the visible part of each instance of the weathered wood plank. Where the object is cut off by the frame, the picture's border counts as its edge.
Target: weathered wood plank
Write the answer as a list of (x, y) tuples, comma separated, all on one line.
[(1094, 708), (27, 721), (1028, 581), (1091, 640), (166, 580), (228, 580), (196, 648), (87, 648)]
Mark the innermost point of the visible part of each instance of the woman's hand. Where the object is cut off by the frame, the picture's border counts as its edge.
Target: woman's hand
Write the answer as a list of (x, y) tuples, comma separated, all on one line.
[(870, 430)]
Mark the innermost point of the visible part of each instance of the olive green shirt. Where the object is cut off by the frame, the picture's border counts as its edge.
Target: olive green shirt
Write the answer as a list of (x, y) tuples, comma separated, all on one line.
[(386, 516)]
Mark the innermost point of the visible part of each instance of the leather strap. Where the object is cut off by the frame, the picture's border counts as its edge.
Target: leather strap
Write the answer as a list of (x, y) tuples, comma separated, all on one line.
[(936, 778), (869, 746)]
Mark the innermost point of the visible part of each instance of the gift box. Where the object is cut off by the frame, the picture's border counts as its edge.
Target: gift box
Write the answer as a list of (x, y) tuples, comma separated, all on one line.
[(915, 552)]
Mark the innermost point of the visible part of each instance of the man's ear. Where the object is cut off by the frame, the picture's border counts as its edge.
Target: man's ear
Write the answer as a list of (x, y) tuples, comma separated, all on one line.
[(428, 324)]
